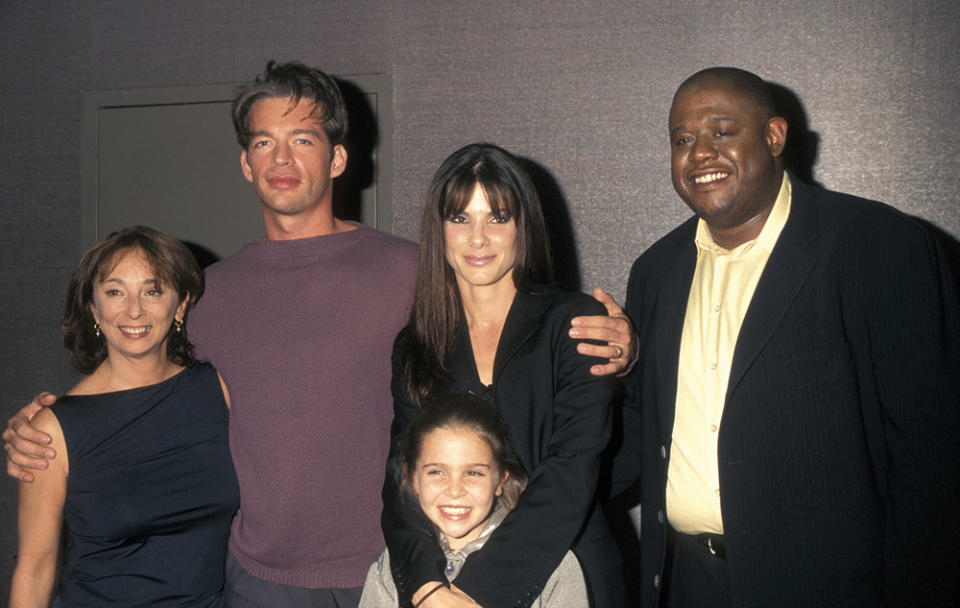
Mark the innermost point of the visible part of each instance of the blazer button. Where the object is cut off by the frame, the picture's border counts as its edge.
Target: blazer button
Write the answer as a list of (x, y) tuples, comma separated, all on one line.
[(660, 517), (656, 580), (663, 451)]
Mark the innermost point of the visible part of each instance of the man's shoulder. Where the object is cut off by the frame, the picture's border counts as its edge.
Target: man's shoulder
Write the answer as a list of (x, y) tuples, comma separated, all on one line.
[(854, 217), (681, 236), (841, 206), (376, 245), (388, 244), (227, 265), (666, 249), (386, 261)]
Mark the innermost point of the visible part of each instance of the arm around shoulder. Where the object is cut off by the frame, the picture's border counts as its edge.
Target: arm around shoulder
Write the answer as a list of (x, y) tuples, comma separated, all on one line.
[(27, 447)]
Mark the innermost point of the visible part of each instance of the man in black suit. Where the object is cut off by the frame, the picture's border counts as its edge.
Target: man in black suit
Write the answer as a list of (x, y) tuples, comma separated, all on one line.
[(795, 414)]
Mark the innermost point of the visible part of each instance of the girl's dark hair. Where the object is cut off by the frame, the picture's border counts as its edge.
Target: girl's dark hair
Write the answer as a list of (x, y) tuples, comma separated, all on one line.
[(475, 415), (175, 268), (436, 306)]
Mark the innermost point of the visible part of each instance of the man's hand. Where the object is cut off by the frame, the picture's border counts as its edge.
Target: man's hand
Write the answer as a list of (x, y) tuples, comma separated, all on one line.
[(26, 447), (615, 329)]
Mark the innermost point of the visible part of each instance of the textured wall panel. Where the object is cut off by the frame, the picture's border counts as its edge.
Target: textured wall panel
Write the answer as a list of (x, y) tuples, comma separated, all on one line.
[(581, 88)]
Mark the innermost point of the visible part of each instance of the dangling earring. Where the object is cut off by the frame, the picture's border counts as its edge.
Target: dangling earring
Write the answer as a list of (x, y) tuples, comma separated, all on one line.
[(178, 325), (96, 328)]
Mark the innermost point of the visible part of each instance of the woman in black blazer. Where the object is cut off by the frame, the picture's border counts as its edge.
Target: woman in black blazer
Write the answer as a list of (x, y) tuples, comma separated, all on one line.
[(486, 322)]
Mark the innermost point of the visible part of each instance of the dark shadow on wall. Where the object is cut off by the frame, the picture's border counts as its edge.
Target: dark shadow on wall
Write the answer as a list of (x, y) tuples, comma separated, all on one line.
[(800, 157), (360, 143), (204, 256), (800, 154), (563, 245)]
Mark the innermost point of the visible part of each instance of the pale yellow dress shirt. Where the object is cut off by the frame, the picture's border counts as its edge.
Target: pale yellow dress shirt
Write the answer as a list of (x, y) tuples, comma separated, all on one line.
[(723, 285)]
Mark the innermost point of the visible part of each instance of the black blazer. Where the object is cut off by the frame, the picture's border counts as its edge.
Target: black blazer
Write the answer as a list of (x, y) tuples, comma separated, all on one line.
[(839, 444), (559, 418)]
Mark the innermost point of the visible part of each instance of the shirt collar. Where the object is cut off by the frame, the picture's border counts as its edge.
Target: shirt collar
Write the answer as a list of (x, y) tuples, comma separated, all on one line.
[(499, 513), (768, 235)]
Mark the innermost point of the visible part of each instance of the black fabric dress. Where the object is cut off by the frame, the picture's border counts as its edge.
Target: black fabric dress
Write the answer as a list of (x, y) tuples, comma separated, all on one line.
[(150, 494)]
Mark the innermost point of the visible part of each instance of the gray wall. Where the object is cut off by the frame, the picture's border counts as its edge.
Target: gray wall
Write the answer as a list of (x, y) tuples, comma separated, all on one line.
[(582, 88)]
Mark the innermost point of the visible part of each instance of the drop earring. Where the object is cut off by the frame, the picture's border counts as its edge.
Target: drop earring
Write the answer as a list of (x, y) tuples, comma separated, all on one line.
[(178, 325), (96, 328)]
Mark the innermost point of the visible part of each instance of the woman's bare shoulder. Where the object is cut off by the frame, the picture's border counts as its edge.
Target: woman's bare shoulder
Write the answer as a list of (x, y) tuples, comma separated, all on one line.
[(45, 420)]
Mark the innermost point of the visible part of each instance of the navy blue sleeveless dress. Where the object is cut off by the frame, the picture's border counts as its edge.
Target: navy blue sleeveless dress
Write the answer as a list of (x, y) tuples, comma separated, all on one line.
[(150, 495)]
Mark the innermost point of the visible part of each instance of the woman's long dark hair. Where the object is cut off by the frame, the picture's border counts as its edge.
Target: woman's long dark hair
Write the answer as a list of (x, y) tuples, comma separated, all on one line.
[(436, 307)]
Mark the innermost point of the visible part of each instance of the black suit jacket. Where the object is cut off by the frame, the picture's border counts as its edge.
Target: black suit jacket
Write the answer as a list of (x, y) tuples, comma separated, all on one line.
[(838, 447), (559, 417)]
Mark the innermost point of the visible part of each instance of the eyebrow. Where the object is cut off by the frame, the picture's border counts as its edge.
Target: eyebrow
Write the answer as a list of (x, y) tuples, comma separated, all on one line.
[(299, 131), (116, 280), (716, 119), (443, 464), (313, 132)]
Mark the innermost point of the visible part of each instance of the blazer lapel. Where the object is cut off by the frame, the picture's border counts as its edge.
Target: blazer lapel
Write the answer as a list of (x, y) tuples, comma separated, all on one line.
[(671, 309), (786, 271), (523, 320), (461, 359)]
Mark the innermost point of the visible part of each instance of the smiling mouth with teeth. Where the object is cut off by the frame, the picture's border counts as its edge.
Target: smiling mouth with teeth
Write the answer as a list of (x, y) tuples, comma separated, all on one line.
[(710, 177), (455, 511)]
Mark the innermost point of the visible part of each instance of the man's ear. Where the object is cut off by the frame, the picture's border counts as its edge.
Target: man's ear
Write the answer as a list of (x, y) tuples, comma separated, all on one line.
[(245, 166), (775, 135), (338, 164)]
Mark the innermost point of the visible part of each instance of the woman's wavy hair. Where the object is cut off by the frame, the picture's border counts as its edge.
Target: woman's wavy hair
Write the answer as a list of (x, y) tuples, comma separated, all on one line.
[(175, 268), (436, 307), (471, 414)]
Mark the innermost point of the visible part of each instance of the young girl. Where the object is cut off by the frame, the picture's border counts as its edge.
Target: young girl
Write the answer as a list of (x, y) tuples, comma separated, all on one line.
[(459, 467)]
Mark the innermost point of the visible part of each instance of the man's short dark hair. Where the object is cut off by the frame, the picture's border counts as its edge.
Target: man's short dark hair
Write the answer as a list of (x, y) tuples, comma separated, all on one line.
[(739, 80), (295, 81)]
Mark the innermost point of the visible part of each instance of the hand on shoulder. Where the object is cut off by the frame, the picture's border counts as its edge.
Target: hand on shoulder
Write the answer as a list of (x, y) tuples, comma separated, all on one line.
[(27, 447)]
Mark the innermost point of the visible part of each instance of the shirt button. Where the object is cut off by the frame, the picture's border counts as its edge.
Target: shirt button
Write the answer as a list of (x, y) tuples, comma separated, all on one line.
[(716, 308), (713, 366), (713, 428)]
